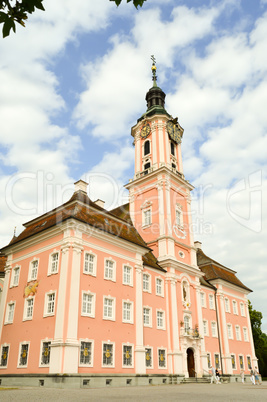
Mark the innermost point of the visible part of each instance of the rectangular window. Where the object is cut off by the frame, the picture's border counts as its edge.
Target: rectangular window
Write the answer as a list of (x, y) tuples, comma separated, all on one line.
[(86, 353), (88, 304), (33, 270), (162, 358), (245, 333), (89, 264), (50, 304), (237, 332), (229, 331), (23, 358), (211, 302), (234, 307), (45, 358), (205, 328), (28, 313), (107, 354), (147, 217), (148, 357), (241, 362), (209, 360), (127, 355), (178, 217), (127, 275), (203, 299), (127, 315), (159, 286), (213, 329), (54, 263), (108, 309), (4, 356), (233, 362), (249, 362), (15, 279), (109, 270), (227, 306), (217, 360), (160, 319), (242, 309), (146, 282), (10, 312), (147, 316)]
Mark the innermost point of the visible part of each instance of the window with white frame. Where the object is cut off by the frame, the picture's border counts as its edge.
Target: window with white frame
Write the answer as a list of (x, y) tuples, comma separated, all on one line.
[(162, 358), (28, 308), (233, 362), (53, 266), (15, 276), (127, 275), (50, 304), (108, 354), (86, 353), (149, 357), (4, 355), (88, 304), (241, 362), (159, 287), (178, 216), (10, 313), (211, 302), (203, 299), (45, 353), (245, 334), (186, 324), (127, 352), (237, 333), (217, 360), (205, 328), (160, 319), (213, 329), (127, 311), (110, 270), (109, 308), (249, 362), (147, 217), (209, 360), (23, 356), (33, 270), (227, 305), (234, 307), (147, 316), (242, 309), (230, 331), (89, 264), (146, 282)]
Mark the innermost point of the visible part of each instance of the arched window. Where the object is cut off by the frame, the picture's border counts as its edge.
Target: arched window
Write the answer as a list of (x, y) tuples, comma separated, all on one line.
[(147, 147)]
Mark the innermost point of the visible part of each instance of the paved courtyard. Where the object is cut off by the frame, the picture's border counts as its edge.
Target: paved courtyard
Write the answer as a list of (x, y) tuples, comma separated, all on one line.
[(185, 392)]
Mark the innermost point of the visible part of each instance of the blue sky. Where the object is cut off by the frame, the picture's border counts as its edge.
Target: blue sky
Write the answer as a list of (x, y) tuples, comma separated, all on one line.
[(73, 83)]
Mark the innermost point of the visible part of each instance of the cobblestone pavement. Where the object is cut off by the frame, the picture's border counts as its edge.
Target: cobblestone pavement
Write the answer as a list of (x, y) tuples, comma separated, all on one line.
[(185, 392)]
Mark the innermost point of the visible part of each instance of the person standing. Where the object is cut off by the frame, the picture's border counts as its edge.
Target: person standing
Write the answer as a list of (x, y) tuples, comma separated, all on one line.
[(242, 375), (252, 378), (213, 376), (217, 376), (257, 376)]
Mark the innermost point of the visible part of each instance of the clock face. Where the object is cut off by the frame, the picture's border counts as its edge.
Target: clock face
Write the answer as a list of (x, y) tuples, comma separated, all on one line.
[(145, 130), (173, 132)]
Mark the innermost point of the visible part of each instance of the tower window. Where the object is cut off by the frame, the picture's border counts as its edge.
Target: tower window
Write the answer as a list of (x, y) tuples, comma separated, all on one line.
[(173, 148), (147, 147), (147, 166)]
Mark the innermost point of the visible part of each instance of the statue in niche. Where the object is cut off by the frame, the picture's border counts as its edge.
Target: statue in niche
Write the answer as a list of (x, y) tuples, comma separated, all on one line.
[(184, 291)]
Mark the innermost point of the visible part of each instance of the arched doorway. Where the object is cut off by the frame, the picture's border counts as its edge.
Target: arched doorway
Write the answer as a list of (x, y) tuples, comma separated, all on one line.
[(190, 362)]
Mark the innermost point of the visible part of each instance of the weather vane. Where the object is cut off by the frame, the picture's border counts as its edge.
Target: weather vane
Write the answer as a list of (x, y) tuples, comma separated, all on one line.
[(154, 68)]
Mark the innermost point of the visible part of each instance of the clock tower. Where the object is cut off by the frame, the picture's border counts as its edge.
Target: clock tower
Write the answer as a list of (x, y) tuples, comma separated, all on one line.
[(160, 202)]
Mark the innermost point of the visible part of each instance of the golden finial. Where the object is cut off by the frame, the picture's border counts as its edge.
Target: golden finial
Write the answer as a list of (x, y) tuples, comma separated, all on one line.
[(154, 69)]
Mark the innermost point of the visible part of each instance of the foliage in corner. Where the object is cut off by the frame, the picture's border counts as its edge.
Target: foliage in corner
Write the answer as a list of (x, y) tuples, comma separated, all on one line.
[(16, 11), (259, 338), (135, 2)]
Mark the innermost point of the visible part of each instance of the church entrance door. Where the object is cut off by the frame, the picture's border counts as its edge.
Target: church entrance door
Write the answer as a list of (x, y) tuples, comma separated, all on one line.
[(190, 362)]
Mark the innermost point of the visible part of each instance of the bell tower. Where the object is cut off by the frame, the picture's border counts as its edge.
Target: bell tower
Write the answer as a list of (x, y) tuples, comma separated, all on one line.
[(160, 202)]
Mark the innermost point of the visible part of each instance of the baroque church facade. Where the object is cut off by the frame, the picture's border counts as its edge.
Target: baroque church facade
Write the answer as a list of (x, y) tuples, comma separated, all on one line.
[(94, 297)]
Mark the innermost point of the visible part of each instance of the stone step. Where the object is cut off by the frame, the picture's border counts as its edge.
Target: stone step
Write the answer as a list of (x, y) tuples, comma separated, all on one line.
[(194, 380)]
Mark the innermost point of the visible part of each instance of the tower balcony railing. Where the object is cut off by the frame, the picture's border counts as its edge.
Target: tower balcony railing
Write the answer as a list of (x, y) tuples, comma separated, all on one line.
[(190, 332), (138, 175)]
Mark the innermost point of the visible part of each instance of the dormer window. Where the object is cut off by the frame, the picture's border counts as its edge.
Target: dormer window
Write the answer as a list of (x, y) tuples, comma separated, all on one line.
[(147, 147)]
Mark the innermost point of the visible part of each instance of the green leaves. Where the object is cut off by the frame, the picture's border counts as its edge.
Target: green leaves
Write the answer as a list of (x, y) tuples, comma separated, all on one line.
[(135, 2), (15, 11)]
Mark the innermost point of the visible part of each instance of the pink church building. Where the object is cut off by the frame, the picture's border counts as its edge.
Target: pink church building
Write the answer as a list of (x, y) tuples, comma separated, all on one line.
[(123, 297)]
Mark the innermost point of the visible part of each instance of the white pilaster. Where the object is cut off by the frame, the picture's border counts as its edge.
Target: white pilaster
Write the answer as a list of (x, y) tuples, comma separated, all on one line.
[(140, 367), (254, 358), (224, 336), (203, 356), (177, 356), (4, 296)]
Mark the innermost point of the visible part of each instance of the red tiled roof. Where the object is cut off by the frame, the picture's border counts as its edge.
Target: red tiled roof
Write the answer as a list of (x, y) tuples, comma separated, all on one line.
[(213, 270), (3, 259), (150, 260)]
